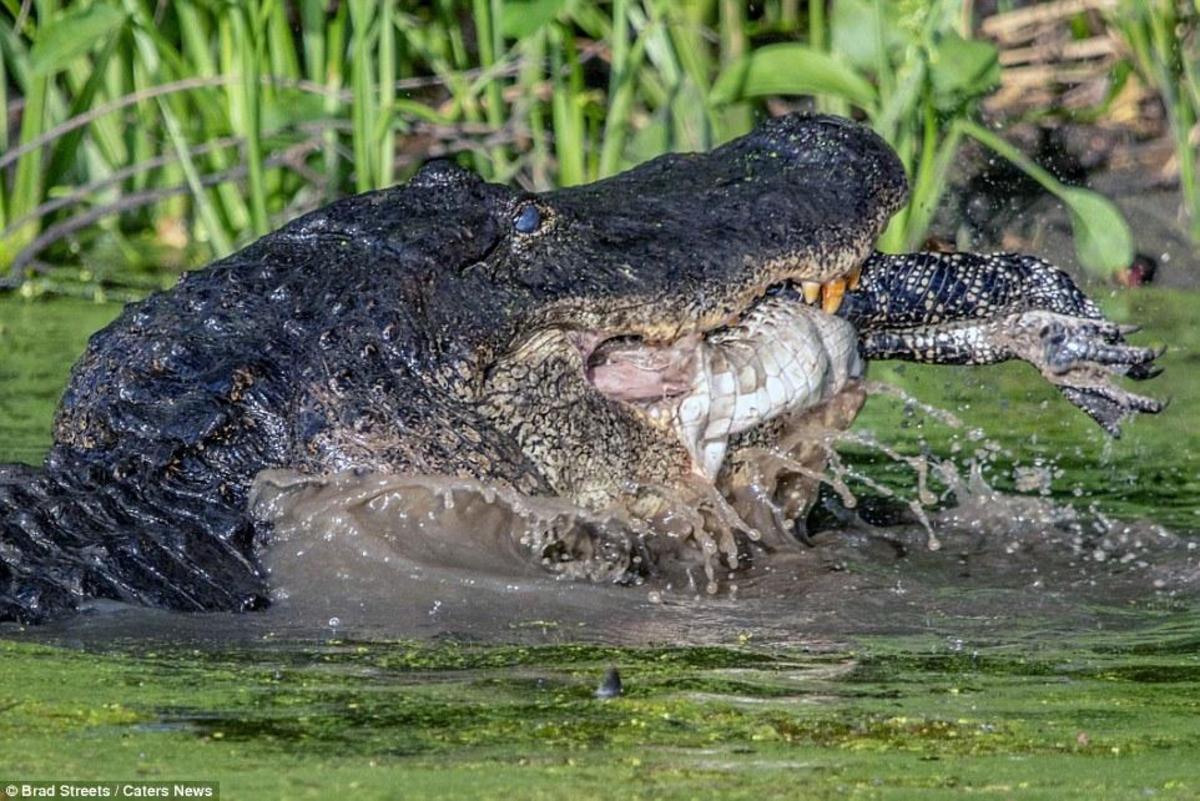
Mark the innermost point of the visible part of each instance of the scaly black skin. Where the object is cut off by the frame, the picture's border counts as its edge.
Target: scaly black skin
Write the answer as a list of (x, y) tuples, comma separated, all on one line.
[(385, 332)]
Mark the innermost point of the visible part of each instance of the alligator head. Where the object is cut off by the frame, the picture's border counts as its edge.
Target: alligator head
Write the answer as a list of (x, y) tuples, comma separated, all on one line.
[(608, 329)]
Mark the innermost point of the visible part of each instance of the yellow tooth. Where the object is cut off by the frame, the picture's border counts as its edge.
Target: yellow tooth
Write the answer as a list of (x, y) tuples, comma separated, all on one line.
[(831, 295), (853, 278), (812, 291)]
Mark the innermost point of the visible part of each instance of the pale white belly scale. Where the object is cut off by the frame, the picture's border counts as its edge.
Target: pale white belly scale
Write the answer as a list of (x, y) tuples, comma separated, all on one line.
[(782, 357)]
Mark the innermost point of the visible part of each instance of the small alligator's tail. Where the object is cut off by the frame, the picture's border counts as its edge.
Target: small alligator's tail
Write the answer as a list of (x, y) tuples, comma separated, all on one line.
[(68, 534)]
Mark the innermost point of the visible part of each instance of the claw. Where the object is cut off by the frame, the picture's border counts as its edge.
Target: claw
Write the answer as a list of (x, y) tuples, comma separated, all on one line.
[(1071, 346), (1107, 414), (1109, 406), (1081, 356), (1143, 372), (1118, 354)]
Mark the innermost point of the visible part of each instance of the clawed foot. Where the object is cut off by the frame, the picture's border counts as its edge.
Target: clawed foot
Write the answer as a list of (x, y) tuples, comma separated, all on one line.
[(1081, 356)]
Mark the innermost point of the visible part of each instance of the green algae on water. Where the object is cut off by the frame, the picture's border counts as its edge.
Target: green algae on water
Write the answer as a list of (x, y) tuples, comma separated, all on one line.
[(888, 719)]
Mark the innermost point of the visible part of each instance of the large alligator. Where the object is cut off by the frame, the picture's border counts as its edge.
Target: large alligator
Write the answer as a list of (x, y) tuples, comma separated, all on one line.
[(644, 330)]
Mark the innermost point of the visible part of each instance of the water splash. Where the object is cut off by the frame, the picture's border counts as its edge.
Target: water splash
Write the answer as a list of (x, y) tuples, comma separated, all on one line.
[(430, 554)]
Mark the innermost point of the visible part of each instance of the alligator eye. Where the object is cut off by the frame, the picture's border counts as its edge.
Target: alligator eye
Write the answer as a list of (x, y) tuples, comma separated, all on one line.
[(528, 219)]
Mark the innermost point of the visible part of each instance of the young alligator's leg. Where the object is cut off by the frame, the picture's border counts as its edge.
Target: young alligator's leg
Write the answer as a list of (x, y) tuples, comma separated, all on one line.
[(964, 308)]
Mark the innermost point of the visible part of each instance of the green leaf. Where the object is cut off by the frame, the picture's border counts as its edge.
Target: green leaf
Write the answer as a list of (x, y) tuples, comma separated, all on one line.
[(67, 146), (962, 70), (1103, 240), (650, 140), (856, 35), (291, 109), (791, 69), (72, 35), (522, 18)]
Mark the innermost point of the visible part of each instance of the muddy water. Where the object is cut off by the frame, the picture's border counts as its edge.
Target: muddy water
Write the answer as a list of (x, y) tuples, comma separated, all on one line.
[(402, 556)]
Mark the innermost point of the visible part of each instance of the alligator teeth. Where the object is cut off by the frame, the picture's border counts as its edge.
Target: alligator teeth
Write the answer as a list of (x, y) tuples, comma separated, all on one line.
[(853, 277), (831, 295), (812, 291)]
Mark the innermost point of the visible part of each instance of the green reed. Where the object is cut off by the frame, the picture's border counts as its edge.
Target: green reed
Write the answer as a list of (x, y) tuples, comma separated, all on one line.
[(1163, 37), (151, 133)]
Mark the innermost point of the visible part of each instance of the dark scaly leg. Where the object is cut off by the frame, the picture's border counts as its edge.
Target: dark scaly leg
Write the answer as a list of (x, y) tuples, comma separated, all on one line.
[(964, 308)]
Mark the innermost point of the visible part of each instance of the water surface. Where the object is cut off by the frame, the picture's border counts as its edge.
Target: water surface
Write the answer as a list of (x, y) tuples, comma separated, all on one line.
[(1049, 649)]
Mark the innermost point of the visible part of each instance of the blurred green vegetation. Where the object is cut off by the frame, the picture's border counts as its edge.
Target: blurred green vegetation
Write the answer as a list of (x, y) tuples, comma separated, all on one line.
[(1161, 37), (147, 137)]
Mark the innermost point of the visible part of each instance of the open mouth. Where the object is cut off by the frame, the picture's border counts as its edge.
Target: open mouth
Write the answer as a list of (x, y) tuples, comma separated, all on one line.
[(784, 353)]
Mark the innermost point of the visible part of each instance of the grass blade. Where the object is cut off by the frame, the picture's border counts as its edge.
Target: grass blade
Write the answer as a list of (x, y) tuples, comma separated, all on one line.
[(208, 216)]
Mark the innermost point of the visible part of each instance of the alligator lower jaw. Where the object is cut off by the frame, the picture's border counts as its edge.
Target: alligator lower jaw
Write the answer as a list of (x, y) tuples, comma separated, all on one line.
[(781, 355)]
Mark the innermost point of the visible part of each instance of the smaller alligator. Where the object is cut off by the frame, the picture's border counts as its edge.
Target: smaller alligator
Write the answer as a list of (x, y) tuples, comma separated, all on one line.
[(651, 329)]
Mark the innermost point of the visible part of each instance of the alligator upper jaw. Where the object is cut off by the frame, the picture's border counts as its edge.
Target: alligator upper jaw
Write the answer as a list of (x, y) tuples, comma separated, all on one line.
[(664, 333)]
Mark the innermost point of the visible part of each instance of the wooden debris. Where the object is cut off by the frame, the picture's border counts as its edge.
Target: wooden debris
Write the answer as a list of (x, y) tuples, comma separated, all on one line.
[(1047, 66)]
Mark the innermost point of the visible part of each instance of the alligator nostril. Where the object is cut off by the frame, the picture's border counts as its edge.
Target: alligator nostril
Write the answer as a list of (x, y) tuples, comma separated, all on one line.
[(528, 219)]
